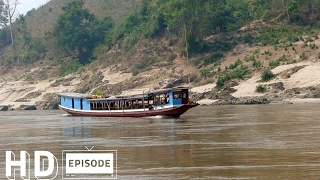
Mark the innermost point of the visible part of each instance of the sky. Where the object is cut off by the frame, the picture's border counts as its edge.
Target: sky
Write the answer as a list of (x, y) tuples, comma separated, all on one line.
[(26, 5)]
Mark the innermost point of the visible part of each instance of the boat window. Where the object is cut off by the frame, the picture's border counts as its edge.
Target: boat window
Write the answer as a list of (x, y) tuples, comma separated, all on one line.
[(177, 95), (164, 98), (167, 98)]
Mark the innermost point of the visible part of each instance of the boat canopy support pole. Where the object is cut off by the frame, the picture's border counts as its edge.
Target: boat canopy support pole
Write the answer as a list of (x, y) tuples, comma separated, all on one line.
[(108, 107), (122, 104)]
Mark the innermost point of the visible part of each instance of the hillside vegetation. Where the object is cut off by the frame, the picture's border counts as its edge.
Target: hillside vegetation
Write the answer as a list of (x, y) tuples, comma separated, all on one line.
[(160, 41)]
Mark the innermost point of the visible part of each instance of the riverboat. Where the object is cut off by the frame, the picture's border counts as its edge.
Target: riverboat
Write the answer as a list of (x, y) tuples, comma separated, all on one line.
[(164, 102)]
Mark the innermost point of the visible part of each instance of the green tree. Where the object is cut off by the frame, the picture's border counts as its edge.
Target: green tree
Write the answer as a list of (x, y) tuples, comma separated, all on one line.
[(257, 9), (292, 7), (78, 31), (222, 15), (152, 13), (197, 19), (193, 16), (183, 16), (147, 22)]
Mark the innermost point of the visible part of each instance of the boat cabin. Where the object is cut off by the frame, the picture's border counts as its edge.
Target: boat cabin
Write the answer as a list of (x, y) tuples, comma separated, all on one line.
[(150, 101)]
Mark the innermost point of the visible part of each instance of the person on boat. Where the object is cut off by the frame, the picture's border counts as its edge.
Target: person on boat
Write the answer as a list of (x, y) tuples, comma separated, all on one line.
[(167, 98), (163, 100)]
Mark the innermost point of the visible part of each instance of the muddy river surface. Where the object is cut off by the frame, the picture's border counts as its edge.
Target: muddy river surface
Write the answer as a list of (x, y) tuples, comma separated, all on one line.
[(219, 142)]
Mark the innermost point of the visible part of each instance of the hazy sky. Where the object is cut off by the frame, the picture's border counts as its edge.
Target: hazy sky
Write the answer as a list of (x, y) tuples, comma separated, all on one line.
[(26, 5)]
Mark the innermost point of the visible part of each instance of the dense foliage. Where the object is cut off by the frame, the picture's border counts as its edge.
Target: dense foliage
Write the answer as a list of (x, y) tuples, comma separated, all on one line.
[(260, 88), (267, 75), (201, 18), (84, 36), (79, 31)]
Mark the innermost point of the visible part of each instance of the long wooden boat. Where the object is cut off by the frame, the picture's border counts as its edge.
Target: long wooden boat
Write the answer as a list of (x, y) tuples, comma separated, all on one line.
[(165, 102)]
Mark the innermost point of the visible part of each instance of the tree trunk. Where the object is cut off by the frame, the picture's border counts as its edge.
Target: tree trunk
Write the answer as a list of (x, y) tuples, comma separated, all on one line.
[(187, 54), (11, 12), (185, 38), (11, 31)]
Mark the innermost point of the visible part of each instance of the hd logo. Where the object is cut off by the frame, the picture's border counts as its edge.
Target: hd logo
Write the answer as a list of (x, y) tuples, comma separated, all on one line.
[(79, 164)]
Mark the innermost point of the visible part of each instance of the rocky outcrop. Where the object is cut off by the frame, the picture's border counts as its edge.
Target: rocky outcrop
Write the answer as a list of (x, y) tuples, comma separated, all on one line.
[(277, 86), (27, 107), (4, 108), (50, 101), (275, 93), (30, 108), (253, 100), (174, 82)]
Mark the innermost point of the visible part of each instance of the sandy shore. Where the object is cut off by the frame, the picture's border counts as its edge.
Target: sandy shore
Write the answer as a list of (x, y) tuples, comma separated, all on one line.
[(204, 88), (303, 100), (307, 76), (207, 101), (18, 93)]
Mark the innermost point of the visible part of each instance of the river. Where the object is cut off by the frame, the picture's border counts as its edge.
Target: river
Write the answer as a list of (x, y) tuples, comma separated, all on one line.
[(218, 142)]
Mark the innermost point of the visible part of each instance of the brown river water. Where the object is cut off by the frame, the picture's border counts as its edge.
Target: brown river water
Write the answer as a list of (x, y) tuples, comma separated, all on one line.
[(219, 142)]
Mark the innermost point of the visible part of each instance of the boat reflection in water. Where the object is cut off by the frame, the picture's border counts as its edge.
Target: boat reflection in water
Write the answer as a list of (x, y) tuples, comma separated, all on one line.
[(77, 126)]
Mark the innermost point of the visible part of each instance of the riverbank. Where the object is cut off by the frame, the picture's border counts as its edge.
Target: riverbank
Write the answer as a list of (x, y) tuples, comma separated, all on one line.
[(292, 84)]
